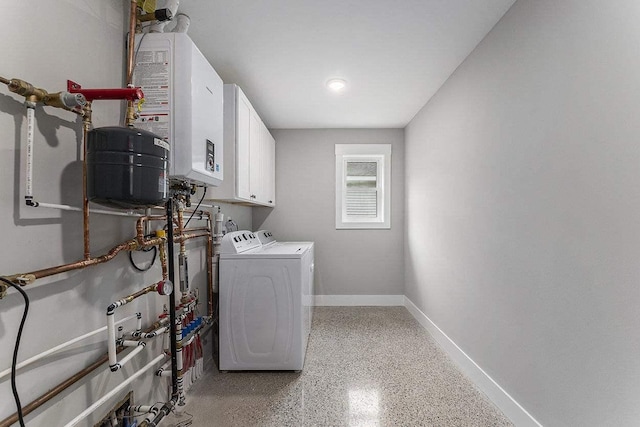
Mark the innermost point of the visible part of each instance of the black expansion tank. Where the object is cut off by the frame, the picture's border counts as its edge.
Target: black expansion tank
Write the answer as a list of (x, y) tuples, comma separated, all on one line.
[(127, 167)]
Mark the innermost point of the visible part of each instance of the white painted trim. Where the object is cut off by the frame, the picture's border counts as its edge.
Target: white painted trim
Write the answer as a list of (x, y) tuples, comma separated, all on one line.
[(358, 300), (507, 404)]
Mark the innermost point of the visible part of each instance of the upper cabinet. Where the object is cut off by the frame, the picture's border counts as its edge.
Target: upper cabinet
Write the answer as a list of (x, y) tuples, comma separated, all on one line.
[(249, 154)]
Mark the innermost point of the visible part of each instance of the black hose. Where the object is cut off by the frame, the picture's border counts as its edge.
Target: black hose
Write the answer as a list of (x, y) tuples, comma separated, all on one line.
[(153, 258), (204, 193), (14, 362), (172, 302)]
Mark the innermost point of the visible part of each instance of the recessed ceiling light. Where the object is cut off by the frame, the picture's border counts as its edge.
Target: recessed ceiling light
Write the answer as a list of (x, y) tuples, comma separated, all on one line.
[(336, 85)]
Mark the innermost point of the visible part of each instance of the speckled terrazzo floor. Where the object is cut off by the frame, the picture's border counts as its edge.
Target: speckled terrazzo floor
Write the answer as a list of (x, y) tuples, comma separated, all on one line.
[(365, 366)]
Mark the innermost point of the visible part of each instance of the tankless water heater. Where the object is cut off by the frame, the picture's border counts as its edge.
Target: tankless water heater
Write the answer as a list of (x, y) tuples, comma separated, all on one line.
[(182, 104)]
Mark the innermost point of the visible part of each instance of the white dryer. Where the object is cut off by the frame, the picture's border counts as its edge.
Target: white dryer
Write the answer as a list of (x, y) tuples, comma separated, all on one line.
[(266, 295)]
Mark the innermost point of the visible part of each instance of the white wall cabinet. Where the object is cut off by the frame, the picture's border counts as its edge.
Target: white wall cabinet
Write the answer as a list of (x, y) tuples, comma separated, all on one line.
[(249, 154)]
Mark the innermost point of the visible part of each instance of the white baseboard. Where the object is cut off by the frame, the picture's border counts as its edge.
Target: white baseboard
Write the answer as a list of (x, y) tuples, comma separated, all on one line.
[(507, 404), (358, 300)]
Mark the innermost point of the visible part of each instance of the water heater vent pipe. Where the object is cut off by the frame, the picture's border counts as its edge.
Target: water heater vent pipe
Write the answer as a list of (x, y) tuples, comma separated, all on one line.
[(183, 22), (172, 5)]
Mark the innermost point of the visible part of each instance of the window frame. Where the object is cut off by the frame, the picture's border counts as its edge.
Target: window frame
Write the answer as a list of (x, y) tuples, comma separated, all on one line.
[(381, 154)]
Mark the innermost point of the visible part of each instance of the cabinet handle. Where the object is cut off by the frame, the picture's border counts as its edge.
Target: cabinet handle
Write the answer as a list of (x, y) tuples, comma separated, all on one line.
[(270, 201), (253, 196)]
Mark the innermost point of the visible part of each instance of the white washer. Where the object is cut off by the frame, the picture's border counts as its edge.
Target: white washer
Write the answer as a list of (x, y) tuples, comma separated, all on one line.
[(266, 295)]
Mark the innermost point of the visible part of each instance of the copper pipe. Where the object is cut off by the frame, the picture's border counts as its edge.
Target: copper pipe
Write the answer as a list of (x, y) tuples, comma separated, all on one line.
[(140, 230), (140, 225), (57, 390), (27, 90), (26, 410), (133, 18), (85, 263), (26, 278), (189, 236), (191, 230), (144, 291), (86, 124), (131, 245), (163, 261)]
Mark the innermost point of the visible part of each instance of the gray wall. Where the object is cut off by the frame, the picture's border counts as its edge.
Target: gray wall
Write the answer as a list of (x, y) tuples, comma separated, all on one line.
[(348, 262), (523, 206), (85, 45)]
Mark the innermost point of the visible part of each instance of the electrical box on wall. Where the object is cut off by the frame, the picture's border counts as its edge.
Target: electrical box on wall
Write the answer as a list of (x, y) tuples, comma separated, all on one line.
[(183, 104)]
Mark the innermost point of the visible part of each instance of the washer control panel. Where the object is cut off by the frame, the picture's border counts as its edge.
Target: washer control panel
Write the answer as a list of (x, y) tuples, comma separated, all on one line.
[(265, 236), (238, 242)]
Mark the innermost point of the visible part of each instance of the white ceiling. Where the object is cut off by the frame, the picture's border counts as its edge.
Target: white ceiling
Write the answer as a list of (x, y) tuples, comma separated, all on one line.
[(393, 54)]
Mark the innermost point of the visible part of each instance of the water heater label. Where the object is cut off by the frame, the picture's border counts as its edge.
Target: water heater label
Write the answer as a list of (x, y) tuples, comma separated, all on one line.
[(161, 143), (157, 123), (153, 74)]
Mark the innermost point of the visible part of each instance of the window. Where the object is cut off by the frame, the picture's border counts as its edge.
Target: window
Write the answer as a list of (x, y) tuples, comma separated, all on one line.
[(363, 186)]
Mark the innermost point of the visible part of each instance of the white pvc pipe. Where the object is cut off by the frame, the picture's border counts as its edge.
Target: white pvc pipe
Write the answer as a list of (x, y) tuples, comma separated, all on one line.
[(30, 137), (57, 348), (111, 344), (94, 211), (205, 205), (166, 341), (131, 355), (183, 23), (141, 408), (114, 392), (152, 412), (155, 333)]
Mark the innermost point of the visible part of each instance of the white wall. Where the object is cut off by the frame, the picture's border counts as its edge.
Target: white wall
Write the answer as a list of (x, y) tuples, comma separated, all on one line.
[(82, 41), (523, 208), (348, 262)]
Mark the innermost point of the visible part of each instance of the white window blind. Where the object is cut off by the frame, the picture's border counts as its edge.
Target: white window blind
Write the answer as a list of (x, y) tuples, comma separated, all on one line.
[(362, 189), (363, 185)]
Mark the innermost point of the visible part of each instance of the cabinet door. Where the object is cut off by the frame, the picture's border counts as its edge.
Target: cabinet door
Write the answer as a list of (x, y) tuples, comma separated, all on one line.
[(269, 167), (255, 158), (243, 156)]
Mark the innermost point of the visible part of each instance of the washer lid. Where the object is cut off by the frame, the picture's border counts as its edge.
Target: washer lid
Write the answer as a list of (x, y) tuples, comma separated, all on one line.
[(280, 251)]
